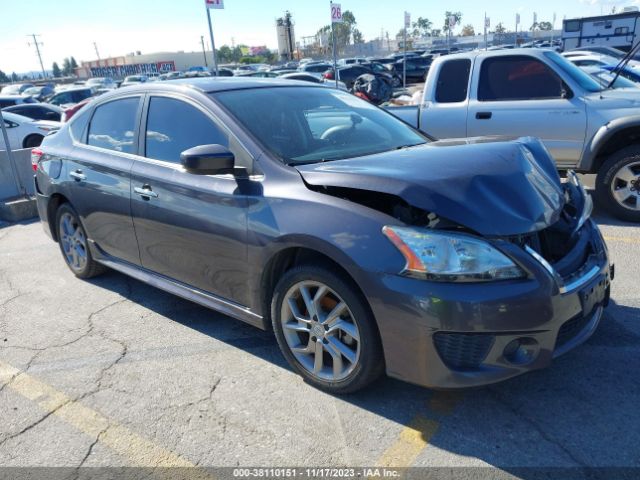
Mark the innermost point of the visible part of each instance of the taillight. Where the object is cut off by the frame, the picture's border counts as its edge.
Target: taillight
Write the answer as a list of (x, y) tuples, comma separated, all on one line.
[(328, 74), (36, 156)]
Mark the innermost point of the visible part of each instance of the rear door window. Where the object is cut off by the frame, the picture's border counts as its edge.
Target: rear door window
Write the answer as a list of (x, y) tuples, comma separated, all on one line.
[(113, 125), (453, 81), (518, 78)]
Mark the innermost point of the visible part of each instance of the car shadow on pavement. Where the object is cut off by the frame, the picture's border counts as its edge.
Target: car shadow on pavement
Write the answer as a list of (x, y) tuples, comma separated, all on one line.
[(581, 412)]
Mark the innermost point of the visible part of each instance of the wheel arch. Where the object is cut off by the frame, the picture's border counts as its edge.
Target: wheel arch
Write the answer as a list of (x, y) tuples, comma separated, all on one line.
[(610, 138), (55, 201), (30, 136), (291, 256)]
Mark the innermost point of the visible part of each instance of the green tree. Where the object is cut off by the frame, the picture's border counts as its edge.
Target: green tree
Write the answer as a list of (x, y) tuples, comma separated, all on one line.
[(66, 67), (422, 27), (436, 32), (14, 77), (343, 31), (225, 54), (74, 65), (55, 69), (545, 26), (447, 15), (499, 32), (357, 36), (3, 77), (468, 31)]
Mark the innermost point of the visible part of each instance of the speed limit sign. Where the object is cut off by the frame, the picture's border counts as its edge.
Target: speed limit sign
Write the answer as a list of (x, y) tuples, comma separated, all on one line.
[(336, 13)]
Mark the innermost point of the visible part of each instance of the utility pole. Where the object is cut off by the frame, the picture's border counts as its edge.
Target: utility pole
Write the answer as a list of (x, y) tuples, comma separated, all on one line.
[(95, 45), (37, 45), (204, 52), (213, 44)]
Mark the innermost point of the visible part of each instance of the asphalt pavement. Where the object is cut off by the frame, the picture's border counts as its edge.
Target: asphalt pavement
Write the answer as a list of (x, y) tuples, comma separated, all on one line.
[(112, 372)]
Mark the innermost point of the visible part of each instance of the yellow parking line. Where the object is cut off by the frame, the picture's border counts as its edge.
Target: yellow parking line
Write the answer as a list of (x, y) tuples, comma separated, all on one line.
[(139, 450), (412, 440), (418, 433), (622, 239)]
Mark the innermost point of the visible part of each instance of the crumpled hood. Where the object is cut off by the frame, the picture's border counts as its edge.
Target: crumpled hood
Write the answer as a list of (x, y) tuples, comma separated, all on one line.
[(492, 186)]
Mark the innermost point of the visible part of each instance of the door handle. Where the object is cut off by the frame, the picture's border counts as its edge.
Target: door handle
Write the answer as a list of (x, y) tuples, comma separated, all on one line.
[(77, 175), (483, 115), (145, 192)]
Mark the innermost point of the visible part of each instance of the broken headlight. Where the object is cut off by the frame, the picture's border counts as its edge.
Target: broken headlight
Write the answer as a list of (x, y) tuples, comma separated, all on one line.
[(450, 257)]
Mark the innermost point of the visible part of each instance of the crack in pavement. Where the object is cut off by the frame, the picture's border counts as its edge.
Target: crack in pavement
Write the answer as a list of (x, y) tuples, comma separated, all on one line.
[(90, 450), (538, 428)]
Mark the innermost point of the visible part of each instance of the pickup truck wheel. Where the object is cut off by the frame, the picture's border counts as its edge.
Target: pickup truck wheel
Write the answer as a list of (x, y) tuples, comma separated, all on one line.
[(618, 184), (325, 329)]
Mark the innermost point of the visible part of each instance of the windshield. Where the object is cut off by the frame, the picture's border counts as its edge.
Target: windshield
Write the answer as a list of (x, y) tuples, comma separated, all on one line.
[(309, 125), (582, 78), (604, 78)]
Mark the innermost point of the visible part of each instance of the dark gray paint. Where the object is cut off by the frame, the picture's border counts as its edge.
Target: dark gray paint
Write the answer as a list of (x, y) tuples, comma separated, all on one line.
[(219, 233)]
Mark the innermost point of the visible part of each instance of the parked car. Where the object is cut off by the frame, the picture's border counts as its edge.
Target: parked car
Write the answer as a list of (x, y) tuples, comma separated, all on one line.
[(602, 50), (605, 77), (15, 88), (307, 210), (39, 93), (314, 67), (268, 73), (36, 111), (134, 80), (10, 100), (348, 74), (375, 67), (417, 68), (351, 61), (71, 96), (24, 132), (72, 110), (313, 78), (223, 72), (540, 93), (627, 72), (592, 60), (101, 83)]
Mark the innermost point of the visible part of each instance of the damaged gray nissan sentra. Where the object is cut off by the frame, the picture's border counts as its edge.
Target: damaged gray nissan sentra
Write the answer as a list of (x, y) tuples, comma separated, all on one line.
[(364, 245)]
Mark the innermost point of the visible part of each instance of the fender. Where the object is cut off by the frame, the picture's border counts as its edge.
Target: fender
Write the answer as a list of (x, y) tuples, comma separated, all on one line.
[(602, 136)]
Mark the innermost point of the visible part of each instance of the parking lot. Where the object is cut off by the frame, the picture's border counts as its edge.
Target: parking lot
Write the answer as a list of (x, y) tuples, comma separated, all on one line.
[(112, 372)]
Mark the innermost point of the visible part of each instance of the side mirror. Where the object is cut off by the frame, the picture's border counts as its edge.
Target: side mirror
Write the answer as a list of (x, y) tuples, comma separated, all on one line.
[(208, 160)]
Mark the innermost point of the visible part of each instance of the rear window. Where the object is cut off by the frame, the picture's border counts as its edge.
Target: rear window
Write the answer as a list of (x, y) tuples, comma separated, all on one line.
[(453, 81), (7, 103)]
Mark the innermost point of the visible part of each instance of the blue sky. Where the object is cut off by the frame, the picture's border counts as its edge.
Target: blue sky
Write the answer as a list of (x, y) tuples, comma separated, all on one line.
[(69, 27)]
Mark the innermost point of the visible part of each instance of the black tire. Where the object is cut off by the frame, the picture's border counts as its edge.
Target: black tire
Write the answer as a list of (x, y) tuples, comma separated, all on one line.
[(88, 269), (370, 364), (33, 141), (607, 176)]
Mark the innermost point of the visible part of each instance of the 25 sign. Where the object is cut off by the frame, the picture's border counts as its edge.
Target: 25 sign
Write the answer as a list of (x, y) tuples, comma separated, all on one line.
[(336, 13)]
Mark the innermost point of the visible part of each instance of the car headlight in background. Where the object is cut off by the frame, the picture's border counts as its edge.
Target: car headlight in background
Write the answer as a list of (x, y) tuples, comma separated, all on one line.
[(450, 257)]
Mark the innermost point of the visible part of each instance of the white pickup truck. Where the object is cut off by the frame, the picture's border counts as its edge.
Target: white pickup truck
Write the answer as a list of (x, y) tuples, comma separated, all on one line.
[(536, 92)]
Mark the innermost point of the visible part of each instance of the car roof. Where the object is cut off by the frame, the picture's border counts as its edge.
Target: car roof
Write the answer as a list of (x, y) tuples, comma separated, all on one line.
[(211, 85), (498, 53)]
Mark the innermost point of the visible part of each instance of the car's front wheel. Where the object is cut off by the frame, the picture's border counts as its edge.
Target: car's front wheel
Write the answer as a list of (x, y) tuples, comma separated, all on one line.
[(325, 329), (74, 245), (618, 184)]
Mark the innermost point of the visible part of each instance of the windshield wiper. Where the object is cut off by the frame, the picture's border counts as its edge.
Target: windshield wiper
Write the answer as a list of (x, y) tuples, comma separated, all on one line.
[(617, 70)]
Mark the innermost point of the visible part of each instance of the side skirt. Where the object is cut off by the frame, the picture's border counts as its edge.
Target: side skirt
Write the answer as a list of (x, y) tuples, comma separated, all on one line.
[(187, 292)]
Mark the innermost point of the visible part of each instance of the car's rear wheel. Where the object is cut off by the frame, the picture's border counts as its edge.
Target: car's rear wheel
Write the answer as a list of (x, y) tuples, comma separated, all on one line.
[(325, 329), (618, 184), (33, 141), (74, 244)]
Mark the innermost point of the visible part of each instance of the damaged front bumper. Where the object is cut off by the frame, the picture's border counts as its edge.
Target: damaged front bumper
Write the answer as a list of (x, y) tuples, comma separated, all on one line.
[(471, 334)]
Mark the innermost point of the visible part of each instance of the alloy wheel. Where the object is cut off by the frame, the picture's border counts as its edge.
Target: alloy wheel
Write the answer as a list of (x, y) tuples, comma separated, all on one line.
[(73, 241), (625, 186), (320, 330)]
